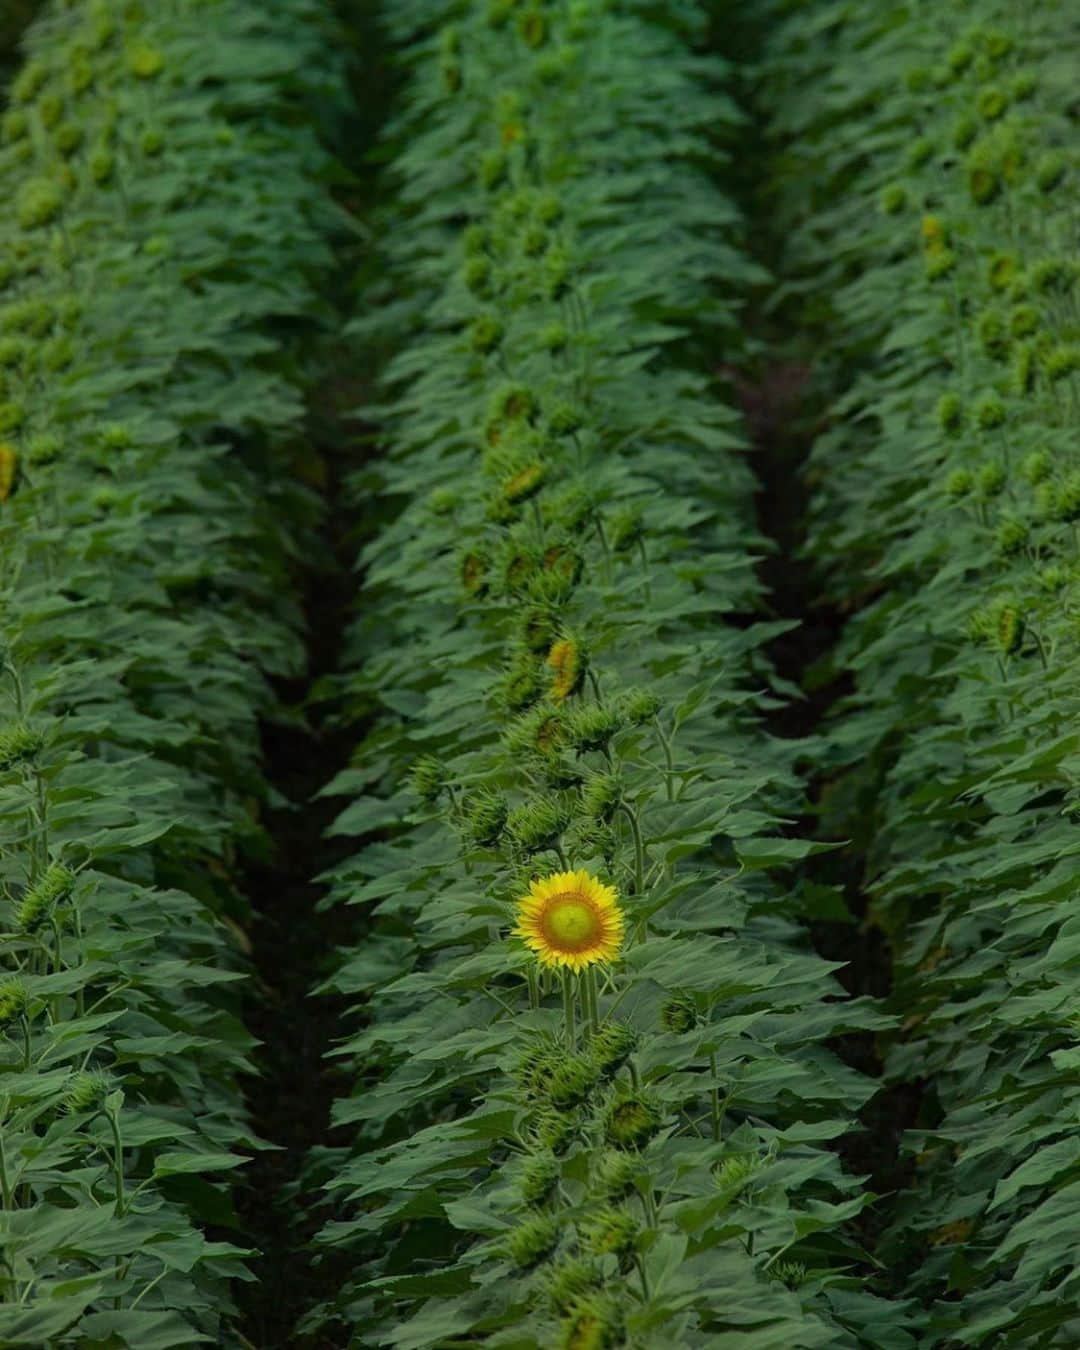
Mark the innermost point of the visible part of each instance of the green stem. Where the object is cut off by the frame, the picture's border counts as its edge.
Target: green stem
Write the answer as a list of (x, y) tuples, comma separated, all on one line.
[(118, 1163), (592, 1000), (639, 848), (569, 996), (5, 1185), (669, 759), (716, 1114)]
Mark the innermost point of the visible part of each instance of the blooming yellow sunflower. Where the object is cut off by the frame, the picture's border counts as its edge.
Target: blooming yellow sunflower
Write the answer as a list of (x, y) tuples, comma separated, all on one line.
[(571, 919)]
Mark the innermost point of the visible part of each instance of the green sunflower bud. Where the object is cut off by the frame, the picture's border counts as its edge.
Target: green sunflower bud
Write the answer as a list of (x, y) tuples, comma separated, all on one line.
[(101, 164), (990, 412), (632, 1119), (87, 1092), (919, 152), (950, 414), (991, 480), (983, 180), (939, 262), (893, 199), (568, 1280), (12, 352), (524, 483), (1050, 170), (571, 509), (593, 1323), (556, 273), (476, 239), (992, 334), (493, 170), (555, 1130), (679, 1015), (1061, 361), (553, 337), (992, 103), (1036, 467), (1012, 536), (1053, 578), (625, 529), (593, 725), (1002, 271), (1009, 629), (539, 1178), (1051, 274), (601, 794), (541, 731), (533, 1241), (28, 82), (1024, 84), (42, 899), (12, 416), (533, 28), (14, 126), (484, 817), (1023, 321), (538, 627), (536, 1065), (1000, 626), (145, 62), (20, 744), (791, 1273), (617, 1176), (69, 137), (485, 333), (38, 203), (610, 1231), (474, 573), (959, 483), (521, 685), (1022, 372), (592, 838), (1068, 498), (610, 1048), (44, 448), (534, 240), (538, 824), (14, 1002), (997, 42), (734, 1174), (566, 419), (964, 131), (476, 276), (117, 436), (574, 1079), (428, 778)]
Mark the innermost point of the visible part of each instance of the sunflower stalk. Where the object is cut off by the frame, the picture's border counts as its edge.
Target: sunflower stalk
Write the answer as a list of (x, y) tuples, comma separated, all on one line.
[(569, 995)]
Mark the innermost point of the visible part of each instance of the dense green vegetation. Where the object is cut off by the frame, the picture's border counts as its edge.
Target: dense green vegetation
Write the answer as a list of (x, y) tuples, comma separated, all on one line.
[(620, 855), (161, 252), (949, 490)]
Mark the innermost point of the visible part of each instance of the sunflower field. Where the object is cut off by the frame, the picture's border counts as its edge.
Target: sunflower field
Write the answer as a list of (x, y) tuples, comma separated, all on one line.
[(539, 675)]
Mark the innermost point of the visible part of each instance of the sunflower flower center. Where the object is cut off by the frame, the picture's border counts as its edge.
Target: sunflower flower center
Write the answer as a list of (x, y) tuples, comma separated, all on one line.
[(570, 922)]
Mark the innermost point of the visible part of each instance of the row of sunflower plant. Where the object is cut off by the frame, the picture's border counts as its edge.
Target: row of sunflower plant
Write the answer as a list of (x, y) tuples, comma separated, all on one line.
[(162, 246), (941, 251), (592, 1100)]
